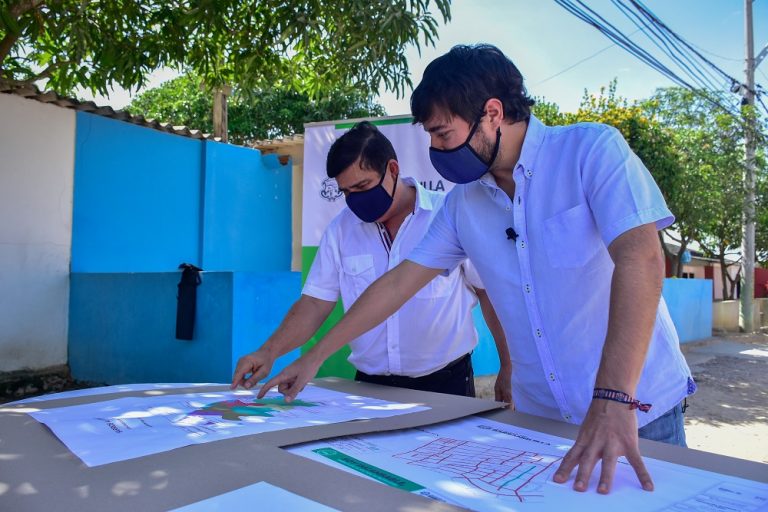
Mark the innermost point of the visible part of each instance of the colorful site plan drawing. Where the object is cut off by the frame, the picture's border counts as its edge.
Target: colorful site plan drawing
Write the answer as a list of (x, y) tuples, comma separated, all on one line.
[(125, 428), (490, 466)]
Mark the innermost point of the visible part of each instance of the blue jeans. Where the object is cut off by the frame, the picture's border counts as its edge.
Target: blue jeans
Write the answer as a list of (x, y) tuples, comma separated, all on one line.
[(667, 428)]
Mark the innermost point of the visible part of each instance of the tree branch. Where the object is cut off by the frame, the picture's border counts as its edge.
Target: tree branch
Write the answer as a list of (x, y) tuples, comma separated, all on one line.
[(5, 46), (15, 13), (46, 73), (25, 5)]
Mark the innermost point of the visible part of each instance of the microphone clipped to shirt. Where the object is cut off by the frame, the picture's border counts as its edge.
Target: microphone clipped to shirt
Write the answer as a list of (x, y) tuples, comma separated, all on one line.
[(511, 234)]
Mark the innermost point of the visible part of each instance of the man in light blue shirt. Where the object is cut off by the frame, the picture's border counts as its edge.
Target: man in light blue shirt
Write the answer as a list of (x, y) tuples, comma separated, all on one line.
[(561, 224)]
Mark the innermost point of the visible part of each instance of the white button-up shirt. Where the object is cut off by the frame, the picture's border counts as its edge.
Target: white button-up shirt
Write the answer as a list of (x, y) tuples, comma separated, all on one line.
[(577, 188), (433, 328)]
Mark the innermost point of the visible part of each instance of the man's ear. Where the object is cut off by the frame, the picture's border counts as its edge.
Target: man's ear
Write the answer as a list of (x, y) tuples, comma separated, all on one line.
[(393, 167), (494, 109)]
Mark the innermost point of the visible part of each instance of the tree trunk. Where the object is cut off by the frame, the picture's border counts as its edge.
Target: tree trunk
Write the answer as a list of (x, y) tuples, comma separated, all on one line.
[(220, 121), (724, 276), (733, 283), (677, 263)]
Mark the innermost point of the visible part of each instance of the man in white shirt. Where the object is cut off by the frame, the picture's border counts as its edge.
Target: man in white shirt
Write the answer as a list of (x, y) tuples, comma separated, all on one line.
[(561, 224), (427, 344)]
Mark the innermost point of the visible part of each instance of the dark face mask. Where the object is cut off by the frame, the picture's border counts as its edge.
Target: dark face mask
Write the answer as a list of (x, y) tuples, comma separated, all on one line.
[(371, 204), (462, 164)]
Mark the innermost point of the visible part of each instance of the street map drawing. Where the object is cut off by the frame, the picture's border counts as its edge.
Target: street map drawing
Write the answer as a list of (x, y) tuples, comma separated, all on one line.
[(496, 470), (489, 466), (125, 428)]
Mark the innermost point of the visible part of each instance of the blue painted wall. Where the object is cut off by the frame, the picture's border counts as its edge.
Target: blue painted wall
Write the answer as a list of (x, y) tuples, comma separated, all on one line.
[(690, 306), (137, 198), (123, 325), (145, 201), (247, 222), (260, 301), (485, 358), (122, 329)]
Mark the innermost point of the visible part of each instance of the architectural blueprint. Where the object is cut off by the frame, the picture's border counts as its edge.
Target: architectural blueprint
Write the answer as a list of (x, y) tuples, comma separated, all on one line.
[(485, 465)]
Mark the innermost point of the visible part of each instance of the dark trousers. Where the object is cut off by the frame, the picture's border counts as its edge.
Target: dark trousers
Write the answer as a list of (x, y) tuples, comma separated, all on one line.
[(456, 378)]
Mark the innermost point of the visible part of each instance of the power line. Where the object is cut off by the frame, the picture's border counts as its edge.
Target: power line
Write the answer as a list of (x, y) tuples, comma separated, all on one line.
[(701, 73), (668, 46), (716, 55), (581, 61), (592, 18)]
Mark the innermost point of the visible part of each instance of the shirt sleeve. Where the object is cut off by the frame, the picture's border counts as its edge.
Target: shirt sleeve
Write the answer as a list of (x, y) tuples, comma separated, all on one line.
[(440, 248), (621, 192), (323, 277)]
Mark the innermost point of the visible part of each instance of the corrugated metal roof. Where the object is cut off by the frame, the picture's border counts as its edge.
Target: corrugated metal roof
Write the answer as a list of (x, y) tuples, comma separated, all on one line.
[(32, 93)]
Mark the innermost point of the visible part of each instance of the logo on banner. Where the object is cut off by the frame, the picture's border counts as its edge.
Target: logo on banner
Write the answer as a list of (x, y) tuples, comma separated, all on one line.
[(329, 190)]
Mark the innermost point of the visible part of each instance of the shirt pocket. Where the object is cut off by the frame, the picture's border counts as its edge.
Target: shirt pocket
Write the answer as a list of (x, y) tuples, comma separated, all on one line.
[(359, 272), (438, 287), (571, 237)]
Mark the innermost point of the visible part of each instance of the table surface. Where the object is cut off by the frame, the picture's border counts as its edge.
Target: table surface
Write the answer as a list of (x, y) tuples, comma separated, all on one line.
[(37, 472)]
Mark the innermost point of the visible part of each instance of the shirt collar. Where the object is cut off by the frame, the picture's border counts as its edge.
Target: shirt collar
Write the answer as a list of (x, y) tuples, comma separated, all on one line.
[(534, 137), (423, 201)]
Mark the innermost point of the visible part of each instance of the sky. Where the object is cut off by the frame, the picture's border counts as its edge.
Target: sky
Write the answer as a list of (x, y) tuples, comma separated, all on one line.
[(561, 56)]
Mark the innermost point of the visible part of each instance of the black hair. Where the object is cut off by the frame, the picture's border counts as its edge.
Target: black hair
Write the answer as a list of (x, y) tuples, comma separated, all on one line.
[(363, 141), (462, 80)]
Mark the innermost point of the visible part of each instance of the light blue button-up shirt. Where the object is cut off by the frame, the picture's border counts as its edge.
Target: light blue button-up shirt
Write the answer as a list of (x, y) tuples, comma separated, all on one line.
[(577, 188)]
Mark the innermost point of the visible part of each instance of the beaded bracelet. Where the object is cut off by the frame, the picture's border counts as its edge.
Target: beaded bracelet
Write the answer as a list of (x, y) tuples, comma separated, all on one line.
[(620, 396)]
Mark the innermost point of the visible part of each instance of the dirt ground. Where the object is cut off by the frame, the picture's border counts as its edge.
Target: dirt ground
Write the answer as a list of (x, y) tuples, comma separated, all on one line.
[(728, 414)]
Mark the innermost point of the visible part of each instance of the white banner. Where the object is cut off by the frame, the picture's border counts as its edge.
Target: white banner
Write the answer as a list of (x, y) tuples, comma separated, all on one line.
[(322, 200)]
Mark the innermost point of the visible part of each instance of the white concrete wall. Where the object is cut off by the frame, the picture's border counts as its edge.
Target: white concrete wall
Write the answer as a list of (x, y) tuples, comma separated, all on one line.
[(36, 182), (696, 270), (717, 282)]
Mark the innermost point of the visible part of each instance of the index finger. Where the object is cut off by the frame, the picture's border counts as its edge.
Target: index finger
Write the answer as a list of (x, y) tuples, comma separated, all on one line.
[(278, 379), (240, 372)]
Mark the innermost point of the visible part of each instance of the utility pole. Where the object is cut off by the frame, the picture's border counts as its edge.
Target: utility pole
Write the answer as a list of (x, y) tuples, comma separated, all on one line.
[(748, 241)]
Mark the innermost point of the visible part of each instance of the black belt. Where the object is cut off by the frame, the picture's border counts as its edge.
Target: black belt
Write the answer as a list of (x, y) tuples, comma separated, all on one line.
[(403, 378)]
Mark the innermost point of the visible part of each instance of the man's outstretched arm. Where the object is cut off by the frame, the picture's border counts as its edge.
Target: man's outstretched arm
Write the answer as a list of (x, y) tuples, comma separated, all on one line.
[(376, 304), (502, 388), (302, 321), (609, 430)]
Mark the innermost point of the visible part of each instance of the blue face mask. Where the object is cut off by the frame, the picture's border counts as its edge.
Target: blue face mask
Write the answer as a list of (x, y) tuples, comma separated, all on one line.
[(462, 164), (371, 204)]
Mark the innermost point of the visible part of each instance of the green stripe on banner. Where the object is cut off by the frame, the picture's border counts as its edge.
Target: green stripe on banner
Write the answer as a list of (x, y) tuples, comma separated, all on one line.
[(377, 122), (374, 472), (336, 365)]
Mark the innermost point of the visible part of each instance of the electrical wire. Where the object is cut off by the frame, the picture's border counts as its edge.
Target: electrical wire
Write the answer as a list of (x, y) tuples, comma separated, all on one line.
[(580, 62), (700, 73)]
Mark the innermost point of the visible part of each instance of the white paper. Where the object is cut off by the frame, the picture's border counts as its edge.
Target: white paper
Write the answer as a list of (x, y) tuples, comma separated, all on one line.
[(125, 428), (119, 388), (486, 465), (263, 495)]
